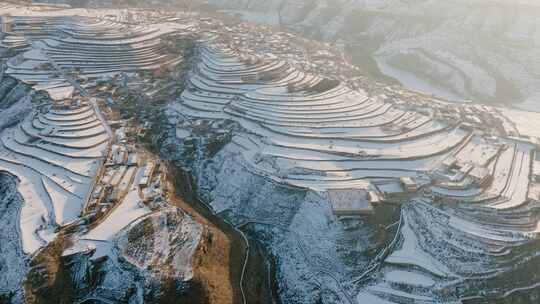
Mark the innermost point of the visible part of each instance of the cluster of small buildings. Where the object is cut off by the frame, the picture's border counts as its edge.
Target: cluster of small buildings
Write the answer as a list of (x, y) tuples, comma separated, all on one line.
[(357, 202), (472, 117), (457, 171), (126, 168)]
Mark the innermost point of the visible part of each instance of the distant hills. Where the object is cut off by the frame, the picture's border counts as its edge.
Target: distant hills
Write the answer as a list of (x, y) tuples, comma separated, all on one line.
[(480, 50)]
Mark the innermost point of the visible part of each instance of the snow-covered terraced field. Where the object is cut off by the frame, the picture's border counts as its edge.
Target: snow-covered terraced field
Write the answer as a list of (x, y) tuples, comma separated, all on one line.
[(56, 145), (57, 150), (466, 218), (317, 133), (56, 153), (275, 149), (60, 47), (305, 123)]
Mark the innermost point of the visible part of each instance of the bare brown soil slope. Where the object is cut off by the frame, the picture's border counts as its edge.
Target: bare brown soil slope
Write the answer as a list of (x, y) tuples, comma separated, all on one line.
[(217, 262)]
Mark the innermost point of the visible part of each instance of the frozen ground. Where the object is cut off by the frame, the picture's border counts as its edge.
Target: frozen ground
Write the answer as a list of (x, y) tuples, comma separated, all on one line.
[(53, 145), (13, 261), (287, 146), (267, 141)]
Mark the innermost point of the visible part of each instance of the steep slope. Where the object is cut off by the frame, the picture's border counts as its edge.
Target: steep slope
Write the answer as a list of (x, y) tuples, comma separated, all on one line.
[(356, 192), (94, 219), (277, 150), (13, 261)]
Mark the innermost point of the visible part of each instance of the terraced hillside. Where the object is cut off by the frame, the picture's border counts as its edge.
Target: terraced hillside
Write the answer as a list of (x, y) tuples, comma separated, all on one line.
[(481, 50), (89, 48), (55, 153), (93, 215), (468, 195), (342, 189)]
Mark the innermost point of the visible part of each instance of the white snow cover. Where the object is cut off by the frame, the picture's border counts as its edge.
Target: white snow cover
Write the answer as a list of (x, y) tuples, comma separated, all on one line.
[(55, 169), (337, 138), (130, 209), (334, 138), (408, 277), (295, 133), (411, 254)]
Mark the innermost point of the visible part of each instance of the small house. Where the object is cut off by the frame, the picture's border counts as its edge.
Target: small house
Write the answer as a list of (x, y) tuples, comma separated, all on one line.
[(350, 202)]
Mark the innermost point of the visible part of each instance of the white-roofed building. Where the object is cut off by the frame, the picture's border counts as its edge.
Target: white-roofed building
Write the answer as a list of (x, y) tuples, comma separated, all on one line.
[(350, 202)]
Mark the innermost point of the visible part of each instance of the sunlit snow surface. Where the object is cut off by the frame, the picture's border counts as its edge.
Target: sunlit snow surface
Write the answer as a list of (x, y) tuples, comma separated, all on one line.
[(460, 227), (54, 184), (299, 136), (54, 150), (56, 153)]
